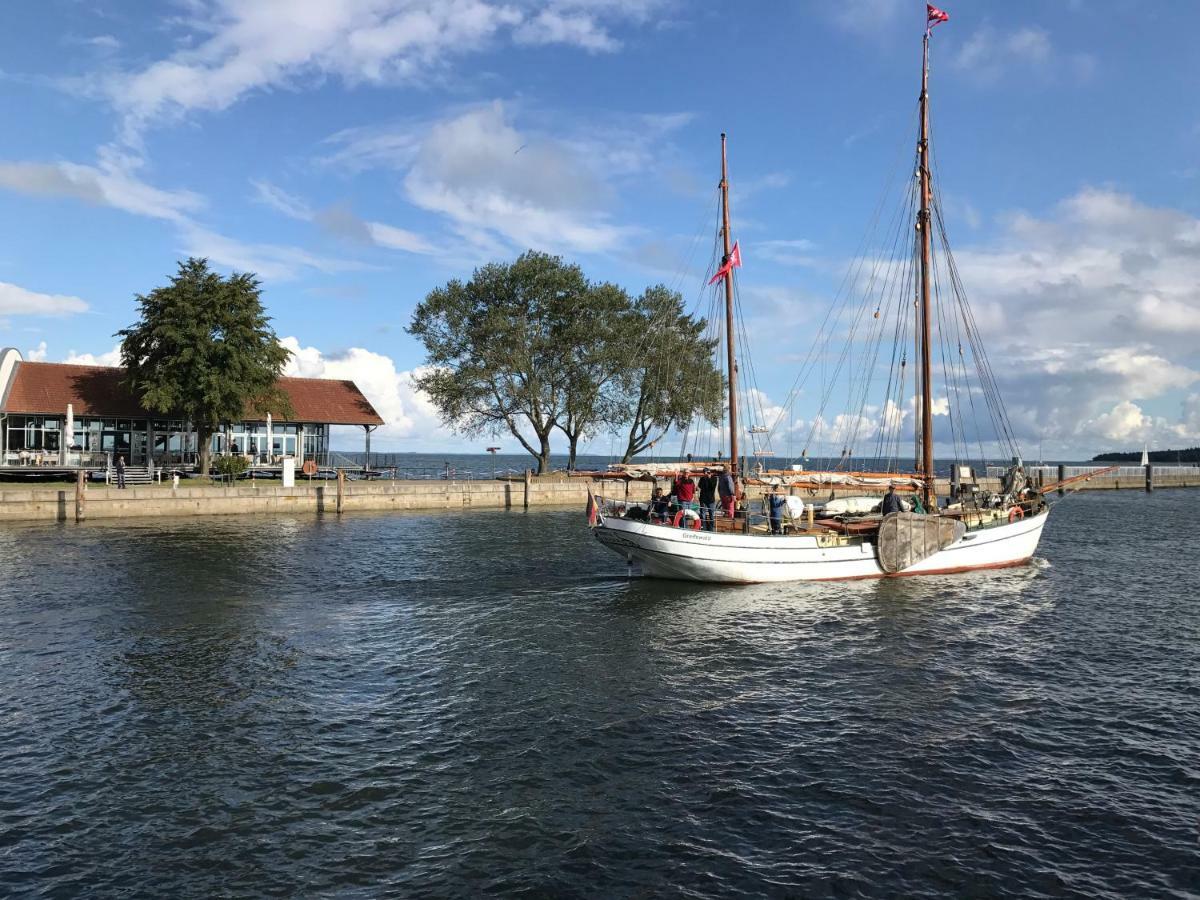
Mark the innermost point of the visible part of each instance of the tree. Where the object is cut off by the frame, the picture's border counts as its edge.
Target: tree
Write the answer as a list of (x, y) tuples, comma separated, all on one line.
[(671, 378), (599, 335), (204, 350), (500, 348)]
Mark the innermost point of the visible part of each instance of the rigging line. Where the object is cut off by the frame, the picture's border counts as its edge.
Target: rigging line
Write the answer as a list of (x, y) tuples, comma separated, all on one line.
[(875, 342), (898, 217), (753, 400), (889, 181), (883, 442), (992, 392)]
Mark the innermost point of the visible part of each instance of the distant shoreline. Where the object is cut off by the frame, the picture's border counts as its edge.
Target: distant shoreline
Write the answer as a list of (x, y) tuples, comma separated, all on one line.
[(1191, 455)]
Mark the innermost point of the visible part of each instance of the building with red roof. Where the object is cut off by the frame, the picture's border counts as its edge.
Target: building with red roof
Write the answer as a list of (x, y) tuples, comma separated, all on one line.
[(81, 416)]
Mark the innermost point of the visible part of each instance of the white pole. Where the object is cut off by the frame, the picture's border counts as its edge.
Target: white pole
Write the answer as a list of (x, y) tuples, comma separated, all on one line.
[(270, 440), (68, 434)]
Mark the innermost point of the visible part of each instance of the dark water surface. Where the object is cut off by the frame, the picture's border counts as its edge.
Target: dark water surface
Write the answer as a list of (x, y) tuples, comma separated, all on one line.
[(463, 704)]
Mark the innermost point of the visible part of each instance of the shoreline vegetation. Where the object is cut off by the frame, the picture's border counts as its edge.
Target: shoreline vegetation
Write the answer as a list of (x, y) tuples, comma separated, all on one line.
[(1191, 455)]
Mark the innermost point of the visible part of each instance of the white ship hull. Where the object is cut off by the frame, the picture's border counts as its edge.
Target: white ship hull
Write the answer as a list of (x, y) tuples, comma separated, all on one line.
[(666, 552)]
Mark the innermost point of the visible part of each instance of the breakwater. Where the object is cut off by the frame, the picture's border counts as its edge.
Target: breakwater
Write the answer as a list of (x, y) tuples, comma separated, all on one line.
[(99, 502)]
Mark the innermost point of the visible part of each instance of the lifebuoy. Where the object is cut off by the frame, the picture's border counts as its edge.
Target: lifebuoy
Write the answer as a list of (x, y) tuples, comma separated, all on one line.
[(1015, 513), (687, 514)]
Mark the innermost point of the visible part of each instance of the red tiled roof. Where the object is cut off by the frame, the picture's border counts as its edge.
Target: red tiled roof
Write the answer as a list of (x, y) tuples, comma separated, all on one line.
[(46, 388)]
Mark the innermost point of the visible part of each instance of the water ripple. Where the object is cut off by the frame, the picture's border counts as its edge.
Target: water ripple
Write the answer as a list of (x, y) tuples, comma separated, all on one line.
[(457, 704)]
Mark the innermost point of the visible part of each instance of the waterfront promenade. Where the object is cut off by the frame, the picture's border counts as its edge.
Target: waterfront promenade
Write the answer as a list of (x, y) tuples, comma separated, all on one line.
[(67, 503)]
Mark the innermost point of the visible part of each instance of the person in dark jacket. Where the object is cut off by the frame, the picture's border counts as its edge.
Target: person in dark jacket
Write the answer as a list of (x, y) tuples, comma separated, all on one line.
[(120, 466), (708, 500), (775, 504), (727, 491), (891, 501)]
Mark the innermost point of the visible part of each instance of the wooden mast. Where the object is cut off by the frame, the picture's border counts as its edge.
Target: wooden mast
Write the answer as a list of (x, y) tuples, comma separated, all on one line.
[(732, 361), (924, 228)]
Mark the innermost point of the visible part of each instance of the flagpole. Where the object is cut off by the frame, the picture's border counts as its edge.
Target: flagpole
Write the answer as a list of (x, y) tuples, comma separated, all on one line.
[(924, 228), (732, 361)]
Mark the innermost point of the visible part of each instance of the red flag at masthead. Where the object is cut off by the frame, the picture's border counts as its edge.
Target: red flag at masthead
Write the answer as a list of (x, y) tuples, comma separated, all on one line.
[(734, 262), (934, 16)]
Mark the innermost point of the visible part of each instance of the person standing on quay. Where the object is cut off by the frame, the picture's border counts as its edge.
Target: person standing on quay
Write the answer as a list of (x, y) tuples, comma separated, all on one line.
[(708, 500), (120, 472)]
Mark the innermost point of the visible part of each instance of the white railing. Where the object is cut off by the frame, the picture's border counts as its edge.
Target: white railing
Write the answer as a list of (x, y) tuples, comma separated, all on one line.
[(1051, 472)]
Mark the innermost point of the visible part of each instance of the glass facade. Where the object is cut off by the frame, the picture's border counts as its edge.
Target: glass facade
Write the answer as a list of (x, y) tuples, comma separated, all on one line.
[(163, 440)]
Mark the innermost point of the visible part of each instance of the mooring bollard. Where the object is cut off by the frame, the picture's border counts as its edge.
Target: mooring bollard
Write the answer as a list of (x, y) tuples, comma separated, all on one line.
[(341, 489), (80, 486)]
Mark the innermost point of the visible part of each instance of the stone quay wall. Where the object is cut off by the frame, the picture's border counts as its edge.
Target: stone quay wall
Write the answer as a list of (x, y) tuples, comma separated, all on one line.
[(99, 502)]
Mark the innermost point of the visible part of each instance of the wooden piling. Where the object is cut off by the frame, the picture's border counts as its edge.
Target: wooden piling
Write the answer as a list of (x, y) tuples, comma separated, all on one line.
[(528, 485), (341, 489), (1149, 478), (1062, 476), (80, 497)]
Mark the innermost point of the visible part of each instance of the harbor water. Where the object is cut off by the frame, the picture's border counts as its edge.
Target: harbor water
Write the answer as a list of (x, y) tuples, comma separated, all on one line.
[(470, 703)]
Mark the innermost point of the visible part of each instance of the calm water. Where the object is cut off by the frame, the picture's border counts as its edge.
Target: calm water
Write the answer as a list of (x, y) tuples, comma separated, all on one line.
[(441, 705)]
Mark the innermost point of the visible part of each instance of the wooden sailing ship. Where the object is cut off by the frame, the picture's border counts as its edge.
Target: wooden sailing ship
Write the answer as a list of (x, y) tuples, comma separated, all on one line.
[(851, 538)]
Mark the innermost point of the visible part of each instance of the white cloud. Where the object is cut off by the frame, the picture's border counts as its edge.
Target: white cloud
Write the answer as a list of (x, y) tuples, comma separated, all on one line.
[(37, 354), (269, 261), (339, 220), (797, 252), (990, 52), (112, 182), (411, 419), (554, 26), (111, 358), (281, 201), (19, 301), (246, 47)]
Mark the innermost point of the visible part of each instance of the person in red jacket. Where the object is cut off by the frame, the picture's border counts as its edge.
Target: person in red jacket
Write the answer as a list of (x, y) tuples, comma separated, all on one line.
[(685, 491)]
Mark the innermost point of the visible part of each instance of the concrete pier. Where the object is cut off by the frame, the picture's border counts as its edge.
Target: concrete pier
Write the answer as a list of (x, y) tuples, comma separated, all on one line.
[(99, 502)]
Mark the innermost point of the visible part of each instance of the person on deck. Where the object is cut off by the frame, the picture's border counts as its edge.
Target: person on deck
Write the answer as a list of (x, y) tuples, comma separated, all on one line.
[(727, 491), (775, 504), (659, 506), (891, 501), (708, 500), (685, 491)]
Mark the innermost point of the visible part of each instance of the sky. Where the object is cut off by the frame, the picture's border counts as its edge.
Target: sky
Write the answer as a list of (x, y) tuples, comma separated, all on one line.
[(358, 154)]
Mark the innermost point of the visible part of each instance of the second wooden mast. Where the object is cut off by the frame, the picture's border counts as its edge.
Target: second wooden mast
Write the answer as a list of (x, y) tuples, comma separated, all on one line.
[(924, 229), (732, 360)]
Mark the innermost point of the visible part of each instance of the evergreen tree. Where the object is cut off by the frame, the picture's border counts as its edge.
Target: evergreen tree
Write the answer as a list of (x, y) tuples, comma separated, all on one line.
[(204, 349)]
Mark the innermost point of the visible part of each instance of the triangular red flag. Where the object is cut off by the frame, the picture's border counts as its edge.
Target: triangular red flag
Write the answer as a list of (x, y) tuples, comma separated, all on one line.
[(934, 16), (733, 262)]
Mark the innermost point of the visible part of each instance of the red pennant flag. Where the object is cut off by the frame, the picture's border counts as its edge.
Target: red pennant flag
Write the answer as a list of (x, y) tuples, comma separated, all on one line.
[(592, 510), (734, 262), (934, 16)]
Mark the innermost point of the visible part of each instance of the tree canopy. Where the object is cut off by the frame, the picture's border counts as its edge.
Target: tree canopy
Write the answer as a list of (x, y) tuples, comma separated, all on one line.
[(204, 349), (532, 345), (670, 378)]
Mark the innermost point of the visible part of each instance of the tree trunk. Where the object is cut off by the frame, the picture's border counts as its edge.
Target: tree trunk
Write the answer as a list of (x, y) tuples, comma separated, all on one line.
[(574, 439), (544, 454)]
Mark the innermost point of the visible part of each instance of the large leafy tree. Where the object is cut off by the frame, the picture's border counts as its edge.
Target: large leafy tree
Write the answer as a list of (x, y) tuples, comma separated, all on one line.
[(500, 348), (670, 378), (204, 349), (600, 336)]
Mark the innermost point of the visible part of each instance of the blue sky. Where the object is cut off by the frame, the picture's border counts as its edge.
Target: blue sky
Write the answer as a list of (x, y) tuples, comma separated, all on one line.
[(358, 154)]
